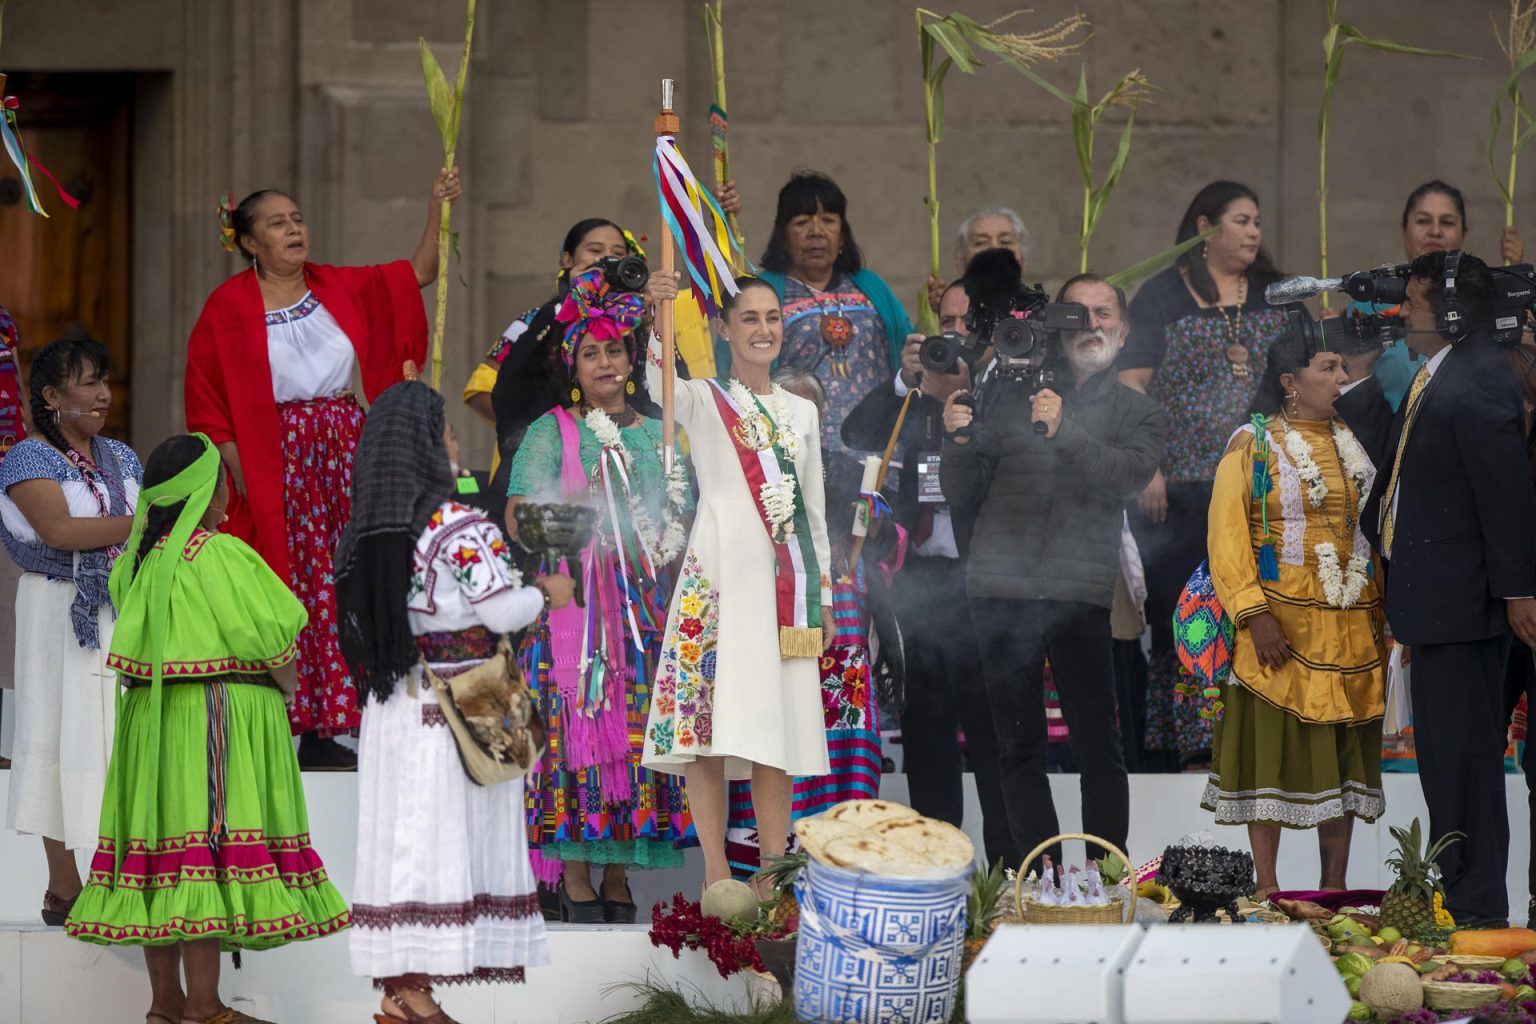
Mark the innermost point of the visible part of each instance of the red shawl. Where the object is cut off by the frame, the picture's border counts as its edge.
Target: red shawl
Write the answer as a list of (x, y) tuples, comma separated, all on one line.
[(229, 379)]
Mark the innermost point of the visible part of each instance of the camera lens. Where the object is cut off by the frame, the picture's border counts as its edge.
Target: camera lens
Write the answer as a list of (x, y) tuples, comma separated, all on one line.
[(1014, 338), (625, 273), (939, 353)]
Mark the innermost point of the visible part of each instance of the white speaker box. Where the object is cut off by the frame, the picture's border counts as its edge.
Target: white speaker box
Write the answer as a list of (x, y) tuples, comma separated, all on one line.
[(1051, 974), (1235, 974)]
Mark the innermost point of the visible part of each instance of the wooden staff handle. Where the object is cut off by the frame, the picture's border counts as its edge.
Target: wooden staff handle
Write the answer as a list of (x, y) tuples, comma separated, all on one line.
[(667, 123), (885, 466)]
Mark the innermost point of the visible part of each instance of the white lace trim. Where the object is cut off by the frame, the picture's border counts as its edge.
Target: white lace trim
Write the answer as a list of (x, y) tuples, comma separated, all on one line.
[(1293, 517), (1295, 810)]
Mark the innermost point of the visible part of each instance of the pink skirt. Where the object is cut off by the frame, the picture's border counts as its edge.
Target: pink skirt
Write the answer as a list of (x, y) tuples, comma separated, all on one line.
[(319, 439)]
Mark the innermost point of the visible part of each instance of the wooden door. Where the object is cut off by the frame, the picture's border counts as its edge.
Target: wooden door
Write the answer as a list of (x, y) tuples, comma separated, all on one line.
[(68, 274)]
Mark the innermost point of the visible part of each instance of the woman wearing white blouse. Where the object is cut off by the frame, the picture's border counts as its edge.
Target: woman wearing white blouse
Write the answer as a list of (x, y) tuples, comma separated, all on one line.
[(270, 371)]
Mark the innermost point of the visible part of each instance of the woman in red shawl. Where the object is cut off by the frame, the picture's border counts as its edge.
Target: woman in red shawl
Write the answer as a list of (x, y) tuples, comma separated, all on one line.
[(270, 371)]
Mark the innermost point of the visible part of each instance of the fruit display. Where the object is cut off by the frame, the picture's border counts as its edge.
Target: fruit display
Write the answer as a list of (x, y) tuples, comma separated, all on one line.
[(1410, 903)]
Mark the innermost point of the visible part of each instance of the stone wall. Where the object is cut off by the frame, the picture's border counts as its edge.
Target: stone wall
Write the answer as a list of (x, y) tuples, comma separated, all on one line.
[(325, 96)]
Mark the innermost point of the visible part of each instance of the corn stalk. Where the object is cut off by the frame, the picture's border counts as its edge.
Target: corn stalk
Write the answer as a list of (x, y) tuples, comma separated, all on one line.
[(714, 31), (960, 37), (1338, 38), (1157, 261), (447, 109), (1519, 46)]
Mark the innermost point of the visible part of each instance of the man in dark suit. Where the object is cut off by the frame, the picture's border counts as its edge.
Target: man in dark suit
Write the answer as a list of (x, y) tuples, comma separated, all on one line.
[(1452, 512), (944, 684)]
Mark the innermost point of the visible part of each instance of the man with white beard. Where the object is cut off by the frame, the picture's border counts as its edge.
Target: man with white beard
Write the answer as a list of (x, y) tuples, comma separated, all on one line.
[(1044, 557)]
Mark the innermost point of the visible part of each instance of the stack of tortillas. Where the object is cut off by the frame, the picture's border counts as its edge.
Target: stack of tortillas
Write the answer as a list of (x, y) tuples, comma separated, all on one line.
[(878, 837)]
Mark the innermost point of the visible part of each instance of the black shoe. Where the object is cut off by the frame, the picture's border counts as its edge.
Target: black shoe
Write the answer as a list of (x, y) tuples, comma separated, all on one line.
[(620, 911), (580, 911), (324, 755)]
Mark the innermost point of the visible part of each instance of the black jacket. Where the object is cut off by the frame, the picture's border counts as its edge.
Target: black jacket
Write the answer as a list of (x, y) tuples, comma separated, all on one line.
[(1050, 510), (868, 428), (1464, 537)]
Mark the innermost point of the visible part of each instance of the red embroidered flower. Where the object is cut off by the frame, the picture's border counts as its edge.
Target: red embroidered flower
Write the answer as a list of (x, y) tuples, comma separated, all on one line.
[(435, 520), (690, 628), (466, 556)]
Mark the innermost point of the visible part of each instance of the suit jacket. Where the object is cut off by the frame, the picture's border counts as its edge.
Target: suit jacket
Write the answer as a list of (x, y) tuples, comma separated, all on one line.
[(1464, 535), (868, 427)]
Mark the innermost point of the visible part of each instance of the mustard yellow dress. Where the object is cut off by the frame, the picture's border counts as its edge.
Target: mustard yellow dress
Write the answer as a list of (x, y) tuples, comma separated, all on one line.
[(1299, 745)]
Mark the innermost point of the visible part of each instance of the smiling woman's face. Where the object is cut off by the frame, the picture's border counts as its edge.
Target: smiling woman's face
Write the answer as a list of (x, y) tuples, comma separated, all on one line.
[(279, 238), (754, 327)]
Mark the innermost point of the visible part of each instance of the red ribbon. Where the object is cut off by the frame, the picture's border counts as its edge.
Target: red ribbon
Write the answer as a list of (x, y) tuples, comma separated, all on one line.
[(12, 103)]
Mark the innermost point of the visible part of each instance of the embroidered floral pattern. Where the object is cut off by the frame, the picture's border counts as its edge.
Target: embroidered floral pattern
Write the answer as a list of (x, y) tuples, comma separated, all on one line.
[(684, 697)]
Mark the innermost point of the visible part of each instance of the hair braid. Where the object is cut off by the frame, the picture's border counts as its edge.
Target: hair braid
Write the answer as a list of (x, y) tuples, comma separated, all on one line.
[(157, 524), (54, 367), (43, 418)]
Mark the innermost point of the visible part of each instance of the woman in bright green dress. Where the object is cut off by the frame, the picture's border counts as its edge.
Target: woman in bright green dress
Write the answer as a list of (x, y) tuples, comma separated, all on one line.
[(204, 834)]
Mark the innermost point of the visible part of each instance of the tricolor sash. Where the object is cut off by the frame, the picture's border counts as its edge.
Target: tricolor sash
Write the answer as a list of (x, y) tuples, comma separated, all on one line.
[(797, 576)]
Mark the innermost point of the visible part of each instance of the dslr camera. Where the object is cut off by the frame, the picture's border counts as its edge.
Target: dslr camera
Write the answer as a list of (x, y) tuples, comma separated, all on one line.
[(1020, 323), (624, 273)]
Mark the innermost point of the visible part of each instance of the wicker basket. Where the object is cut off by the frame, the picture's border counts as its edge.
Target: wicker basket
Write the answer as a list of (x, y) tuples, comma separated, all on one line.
[(1449, 995), (1470, 961), (1114, 912)]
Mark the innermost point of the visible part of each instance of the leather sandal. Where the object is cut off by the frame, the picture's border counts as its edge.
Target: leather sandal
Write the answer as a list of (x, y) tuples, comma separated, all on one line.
[(55, 910), (411, 1016), (228, 1015)]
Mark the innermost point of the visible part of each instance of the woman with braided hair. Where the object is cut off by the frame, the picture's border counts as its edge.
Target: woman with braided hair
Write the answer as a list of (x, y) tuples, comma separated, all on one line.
[(66, 505), (204, 832)]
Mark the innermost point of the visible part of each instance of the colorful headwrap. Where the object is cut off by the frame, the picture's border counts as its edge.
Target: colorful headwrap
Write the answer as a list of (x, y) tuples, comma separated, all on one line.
[(593, 307)]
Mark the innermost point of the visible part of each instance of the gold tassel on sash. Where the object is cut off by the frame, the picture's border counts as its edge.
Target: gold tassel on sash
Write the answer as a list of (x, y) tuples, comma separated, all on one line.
[(799, 642)]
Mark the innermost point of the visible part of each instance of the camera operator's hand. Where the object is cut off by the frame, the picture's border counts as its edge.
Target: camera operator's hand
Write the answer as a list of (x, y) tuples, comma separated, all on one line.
[(911, 361), (941, 385), (956, 417), (1268, 640), (935, 292), (728, 198), (661, 286), (1045, 407), (1154, 500)]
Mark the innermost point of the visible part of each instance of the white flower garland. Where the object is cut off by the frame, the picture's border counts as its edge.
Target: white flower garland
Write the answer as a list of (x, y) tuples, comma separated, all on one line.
[(1341, 587), (662, 543), (760, 433)]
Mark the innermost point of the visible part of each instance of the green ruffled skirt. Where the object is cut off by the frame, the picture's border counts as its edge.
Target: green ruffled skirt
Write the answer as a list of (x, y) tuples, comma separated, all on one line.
[(1268, 767), (223, 852)]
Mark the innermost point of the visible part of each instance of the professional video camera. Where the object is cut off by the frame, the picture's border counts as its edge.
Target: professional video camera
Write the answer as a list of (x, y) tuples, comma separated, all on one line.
[(1383, 290), (624, 273), (1020, 323)]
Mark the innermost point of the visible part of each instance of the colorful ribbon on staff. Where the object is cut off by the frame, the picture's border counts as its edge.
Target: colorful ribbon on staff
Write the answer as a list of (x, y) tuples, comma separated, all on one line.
[(699, 226), (10, 135)]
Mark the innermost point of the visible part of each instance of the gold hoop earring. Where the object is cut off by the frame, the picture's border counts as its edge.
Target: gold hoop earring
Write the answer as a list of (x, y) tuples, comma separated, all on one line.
[(629, 387), (576, 395), (55, 415)]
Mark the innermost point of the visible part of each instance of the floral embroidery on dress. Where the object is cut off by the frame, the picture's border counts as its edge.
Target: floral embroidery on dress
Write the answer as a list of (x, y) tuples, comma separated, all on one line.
[(684, 697)]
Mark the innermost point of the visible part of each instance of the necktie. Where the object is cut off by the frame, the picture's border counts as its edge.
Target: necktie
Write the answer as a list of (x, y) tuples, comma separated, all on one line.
[(1389, 497)]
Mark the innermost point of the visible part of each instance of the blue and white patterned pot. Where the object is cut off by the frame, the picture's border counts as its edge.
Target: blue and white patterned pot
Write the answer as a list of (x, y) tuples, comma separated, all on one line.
[(875, 950)]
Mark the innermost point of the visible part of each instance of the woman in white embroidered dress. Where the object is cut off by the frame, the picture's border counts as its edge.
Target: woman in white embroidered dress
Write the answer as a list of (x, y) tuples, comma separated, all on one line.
[(66, 508), (444, 892), (1299, 742), (738, 690)]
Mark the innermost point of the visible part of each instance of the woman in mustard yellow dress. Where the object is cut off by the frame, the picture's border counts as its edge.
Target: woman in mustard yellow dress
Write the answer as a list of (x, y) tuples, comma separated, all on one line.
[(1299, 744)]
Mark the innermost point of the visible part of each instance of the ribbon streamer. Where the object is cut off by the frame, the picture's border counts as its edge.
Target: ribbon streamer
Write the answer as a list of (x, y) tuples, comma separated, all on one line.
[(10, 135), (700, 227)]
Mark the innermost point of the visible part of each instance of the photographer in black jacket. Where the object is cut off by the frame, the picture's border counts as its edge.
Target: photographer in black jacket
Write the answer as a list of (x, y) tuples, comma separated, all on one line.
[(944, 688), (1045, 555)]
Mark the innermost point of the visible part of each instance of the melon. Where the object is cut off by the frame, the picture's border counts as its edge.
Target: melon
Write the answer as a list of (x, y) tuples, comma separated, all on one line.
[(1391, 990), (729, 900)]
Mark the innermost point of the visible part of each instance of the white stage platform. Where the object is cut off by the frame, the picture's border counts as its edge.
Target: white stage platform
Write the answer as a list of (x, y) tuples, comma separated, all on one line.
[(46, 977)]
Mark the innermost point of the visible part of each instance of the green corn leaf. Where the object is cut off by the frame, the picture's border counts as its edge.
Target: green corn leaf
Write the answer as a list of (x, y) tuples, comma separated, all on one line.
[(1521, 110), (1152, 264), (927, 320), (936, 129), (1100, 197), (1025, 70), (1351, 34), (925, 49), (949, 37), (439, 97)]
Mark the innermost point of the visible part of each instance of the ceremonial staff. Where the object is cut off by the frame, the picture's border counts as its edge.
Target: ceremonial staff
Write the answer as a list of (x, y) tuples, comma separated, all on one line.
[(667, 125)]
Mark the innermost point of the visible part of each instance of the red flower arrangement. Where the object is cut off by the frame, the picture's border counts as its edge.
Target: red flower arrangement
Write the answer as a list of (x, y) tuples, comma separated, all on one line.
[(683, 924)]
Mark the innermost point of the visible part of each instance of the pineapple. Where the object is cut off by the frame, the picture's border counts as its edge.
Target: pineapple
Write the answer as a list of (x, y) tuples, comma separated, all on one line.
[(781, 872), (984, 907), (1409, 905)]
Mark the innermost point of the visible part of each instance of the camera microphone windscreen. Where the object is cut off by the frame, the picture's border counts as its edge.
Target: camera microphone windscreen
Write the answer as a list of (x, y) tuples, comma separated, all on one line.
[(992, 278), (1294, 289)]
